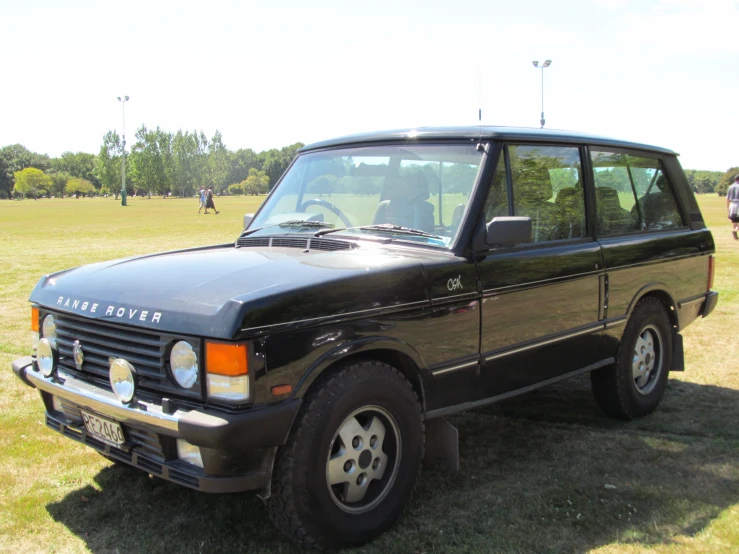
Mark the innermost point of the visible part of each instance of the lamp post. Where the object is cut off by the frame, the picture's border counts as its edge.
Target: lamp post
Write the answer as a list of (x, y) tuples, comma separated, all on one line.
[(123, 157), (547, 63)]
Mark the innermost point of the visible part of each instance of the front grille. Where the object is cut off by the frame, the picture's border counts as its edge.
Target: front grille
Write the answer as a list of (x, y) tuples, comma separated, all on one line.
[(147, 351), (303, 244)]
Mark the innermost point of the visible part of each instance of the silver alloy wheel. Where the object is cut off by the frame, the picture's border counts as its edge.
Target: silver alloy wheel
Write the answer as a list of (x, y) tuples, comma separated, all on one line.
[(646, 365), (363, 459)]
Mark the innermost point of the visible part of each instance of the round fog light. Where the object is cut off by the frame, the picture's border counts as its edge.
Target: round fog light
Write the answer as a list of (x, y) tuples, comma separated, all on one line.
[(123, 380), (184, 363), (45, 357)]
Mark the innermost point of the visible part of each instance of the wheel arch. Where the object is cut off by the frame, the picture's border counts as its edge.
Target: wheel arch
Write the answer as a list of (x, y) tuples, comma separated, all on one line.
[(661, 293), (393, 352)]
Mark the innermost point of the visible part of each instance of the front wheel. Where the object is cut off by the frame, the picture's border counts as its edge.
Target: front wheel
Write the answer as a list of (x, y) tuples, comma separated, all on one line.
[(635, 384), (352, 458)]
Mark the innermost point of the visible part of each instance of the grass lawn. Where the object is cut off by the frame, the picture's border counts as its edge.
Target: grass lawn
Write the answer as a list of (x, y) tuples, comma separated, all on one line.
[(545, 472)]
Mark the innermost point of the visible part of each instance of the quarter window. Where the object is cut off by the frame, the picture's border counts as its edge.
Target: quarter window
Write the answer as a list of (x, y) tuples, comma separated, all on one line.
[(632, 193)]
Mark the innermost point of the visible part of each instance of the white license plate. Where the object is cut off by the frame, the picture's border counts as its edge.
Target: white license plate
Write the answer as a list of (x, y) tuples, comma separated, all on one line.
[(103, 429)]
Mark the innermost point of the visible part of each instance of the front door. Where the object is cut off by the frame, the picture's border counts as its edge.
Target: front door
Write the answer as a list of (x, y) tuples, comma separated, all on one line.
[(540, 300)]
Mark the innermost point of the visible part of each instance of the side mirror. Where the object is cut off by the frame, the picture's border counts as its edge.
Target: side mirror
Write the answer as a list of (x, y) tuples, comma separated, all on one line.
[(247, 220), (505, 231)]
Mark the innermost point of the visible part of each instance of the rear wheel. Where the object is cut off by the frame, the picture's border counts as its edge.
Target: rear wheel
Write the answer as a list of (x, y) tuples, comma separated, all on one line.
[(635, 384), (352, 458)]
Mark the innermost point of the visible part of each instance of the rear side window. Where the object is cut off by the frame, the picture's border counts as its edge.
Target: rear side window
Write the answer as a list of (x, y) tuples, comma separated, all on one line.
[(632, 193)]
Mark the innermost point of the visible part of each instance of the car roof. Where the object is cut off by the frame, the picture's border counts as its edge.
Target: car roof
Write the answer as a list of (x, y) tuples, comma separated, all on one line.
[(477, 133)]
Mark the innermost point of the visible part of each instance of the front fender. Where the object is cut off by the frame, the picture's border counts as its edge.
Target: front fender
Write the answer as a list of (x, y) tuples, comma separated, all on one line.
[(359, 346)]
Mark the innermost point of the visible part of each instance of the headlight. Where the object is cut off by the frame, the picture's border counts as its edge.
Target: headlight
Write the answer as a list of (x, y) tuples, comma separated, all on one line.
[(45, 357), (48, 327), (123, 379), (184, 363)]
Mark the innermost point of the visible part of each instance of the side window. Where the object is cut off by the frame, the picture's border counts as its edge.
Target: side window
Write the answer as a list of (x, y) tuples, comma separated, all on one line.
[(497, 201), (546, 185), (632, 194)]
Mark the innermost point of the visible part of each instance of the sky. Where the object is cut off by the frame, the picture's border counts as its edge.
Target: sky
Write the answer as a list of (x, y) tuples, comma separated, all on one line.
[(269, 74)]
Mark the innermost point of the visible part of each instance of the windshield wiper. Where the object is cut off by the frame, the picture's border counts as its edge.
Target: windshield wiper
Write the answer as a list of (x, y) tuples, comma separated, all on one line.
[(397, 229), (291, 223), (384, 228), (304, 223)]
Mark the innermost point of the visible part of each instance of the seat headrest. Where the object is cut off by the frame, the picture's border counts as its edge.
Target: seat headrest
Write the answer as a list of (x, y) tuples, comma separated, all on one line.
[(420, 186), (607, 196), (534, 184), (411, 186), (661, 183), (567, 195)]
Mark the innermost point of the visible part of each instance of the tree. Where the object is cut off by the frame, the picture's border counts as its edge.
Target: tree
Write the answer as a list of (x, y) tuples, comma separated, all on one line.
[(218, 158), (16, 157), (703, 181), (108, 162), (275, 162), (236, 189), (256, 183), (184, 152), (32, 182), (77, 187), (240, 162), (59, 184), (164, 142), (77, 164), (147, 164), (726, 180)]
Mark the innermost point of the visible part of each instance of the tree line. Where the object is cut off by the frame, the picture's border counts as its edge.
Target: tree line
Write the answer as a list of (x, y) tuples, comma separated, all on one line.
[(166, 163), (159, 162)]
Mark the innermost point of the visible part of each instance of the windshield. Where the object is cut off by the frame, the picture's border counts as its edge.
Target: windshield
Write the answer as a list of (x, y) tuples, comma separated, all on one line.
[(375, 190)]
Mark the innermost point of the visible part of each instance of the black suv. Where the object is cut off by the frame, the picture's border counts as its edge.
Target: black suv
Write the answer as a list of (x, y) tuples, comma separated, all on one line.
[(389, 279)]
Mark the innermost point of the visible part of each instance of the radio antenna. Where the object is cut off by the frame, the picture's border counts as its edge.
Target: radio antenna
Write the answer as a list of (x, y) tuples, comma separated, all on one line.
[(480, 146)]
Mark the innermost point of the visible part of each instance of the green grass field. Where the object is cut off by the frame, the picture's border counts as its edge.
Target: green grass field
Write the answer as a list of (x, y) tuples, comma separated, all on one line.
[(545, 472)]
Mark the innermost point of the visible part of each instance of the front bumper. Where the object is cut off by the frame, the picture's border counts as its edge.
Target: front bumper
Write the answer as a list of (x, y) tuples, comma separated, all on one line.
[(237, 449)]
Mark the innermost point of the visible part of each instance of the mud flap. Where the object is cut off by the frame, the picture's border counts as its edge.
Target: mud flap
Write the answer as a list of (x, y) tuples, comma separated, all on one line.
[(442, 443), (678, 356)]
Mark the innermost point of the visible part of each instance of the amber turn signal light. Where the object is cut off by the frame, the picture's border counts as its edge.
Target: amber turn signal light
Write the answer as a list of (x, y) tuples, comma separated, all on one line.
[(34, 319), (226, 359), (279, 390)]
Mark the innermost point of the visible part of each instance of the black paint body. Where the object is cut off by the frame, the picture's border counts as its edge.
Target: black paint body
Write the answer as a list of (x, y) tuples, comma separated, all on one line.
[(465, 326)]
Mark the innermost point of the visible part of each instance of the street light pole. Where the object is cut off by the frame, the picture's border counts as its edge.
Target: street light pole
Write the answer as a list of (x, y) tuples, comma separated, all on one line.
[(546, 64), (123, 157)]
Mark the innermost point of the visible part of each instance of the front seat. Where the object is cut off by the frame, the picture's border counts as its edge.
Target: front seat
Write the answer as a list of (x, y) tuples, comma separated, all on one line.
[(532, 188), (406, 203)]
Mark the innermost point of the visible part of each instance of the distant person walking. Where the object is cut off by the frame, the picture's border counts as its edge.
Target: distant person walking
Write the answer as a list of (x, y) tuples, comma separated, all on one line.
[(202, 200), (732, 204), (209, 201)]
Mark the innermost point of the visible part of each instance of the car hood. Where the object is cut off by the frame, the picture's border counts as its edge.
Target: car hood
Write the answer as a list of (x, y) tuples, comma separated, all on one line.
[(227, 292)]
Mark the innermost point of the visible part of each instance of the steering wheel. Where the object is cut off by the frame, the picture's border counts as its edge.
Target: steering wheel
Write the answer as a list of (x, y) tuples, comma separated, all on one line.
[(329, 206)]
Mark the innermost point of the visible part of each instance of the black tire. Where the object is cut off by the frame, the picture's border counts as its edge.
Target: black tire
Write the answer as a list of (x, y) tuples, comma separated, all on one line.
[(623, 390), (303, 505)]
